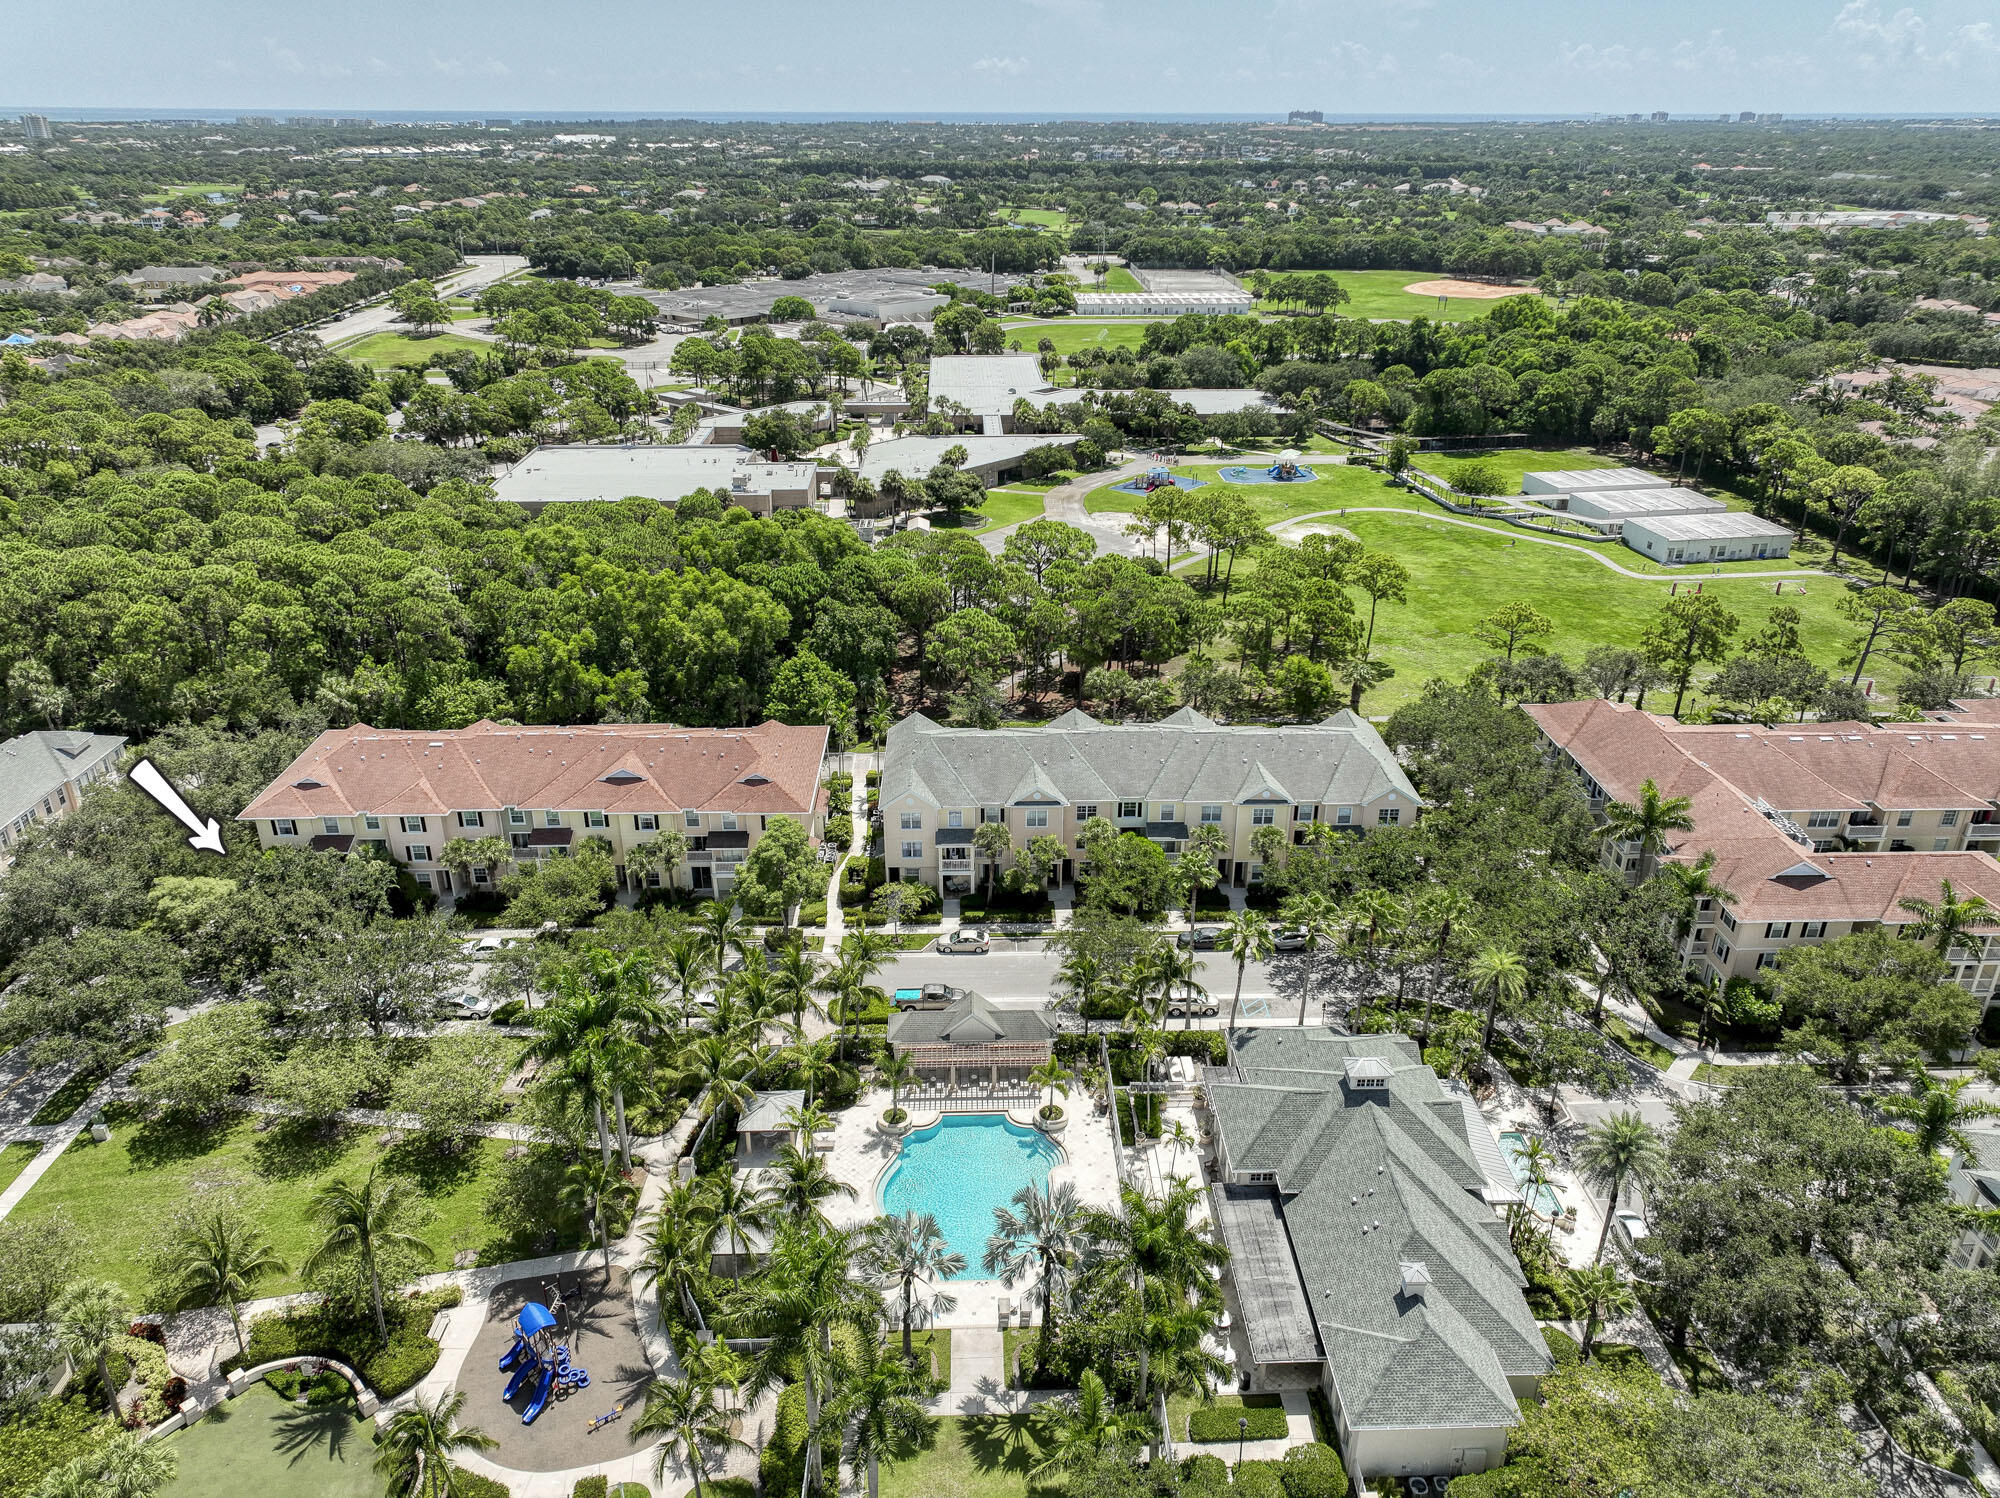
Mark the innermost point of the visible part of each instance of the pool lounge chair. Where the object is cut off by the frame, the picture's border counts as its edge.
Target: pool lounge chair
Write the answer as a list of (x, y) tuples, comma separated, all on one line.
[(1006, 1311)]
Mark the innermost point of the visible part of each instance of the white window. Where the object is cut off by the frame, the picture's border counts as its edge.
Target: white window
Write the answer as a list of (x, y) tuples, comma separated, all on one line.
[(1262, 816), (646, 821), (284, 827), (472, 819), (1036, 817), (1777, 930), (1389, 816), (1346, 816), (413, 824), (1903, 818), (552, 819), (596, 819), (373, 824), (1132, 810), (1939, 844), (1166, 811), (691, 818), (913, 821), (420, 852), (913, 850), (953, 819), (424, 880), (1303, 813), (1085, 810), (1211, 816), (1948, 819), (1728, 919), (1812, 930), (329, 825), (1823, 819), (1766, 959), (516, 817), (1721, 950), (481, 877), (729, 821), (652, 879)]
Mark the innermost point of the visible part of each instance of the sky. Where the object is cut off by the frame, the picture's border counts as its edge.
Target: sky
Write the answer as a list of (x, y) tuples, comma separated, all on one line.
[(1154, 57)]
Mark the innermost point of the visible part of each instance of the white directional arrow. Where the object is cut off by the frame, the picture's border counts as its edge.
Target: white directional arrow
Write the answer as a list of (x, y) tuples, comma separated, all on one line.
[(207, 835)]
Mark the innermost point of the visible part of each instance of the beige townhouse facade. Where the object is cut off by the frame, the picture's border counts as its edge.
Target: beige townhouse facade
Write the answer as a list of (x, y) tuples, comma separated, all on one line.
[(1818, 831), (543, 790), (1162, 780), (44, 775)]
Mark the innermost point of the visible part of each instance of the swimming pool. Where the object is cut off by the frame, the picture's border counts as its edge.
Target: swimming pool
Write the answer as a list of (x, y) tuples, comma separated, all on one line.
[(961, 1168), (1542, 1198)]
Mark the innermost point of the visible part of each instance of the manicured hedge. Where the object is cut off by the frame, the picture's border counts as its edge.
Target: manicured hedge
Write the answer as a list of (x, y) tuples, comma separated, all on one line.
[(1313, 1471), (1562, 1347), (1218, 1422), (1258, 1480), (466, 1484), (781, 1468), (592, 1486), (323, 1332)]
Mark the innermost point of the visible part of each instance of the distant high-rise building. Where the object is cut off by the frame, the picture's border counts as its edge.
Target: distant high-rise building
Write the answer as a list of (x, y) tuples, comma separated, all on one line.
[(1770, 119), (1659, 117), (1306, 117), (312, 121), (263, 120), (1634, 119), (1747, 117), (36, 127), (352, 123)]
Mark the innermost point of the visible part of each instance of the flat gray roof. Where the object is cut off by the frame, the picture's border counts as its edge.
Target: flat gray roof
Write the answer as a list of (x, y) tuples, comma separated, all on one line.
[(914, 457), (988, 384), (1729, 525), (1572, 480), (755, 298), (1276, 1318), (1620, 503), (551, 475)]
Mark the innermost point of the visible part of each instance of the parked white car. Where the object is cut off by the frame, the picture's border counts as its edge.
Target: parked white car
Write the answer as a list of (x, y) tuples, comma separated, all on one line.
[(970, 940), (1189, 998)]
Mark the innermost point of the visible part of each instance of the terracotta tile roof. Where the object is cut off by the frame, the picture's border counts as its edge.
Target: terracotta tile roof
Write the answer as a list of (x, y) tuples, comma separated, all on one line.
[(623, 767), (1774, 876)]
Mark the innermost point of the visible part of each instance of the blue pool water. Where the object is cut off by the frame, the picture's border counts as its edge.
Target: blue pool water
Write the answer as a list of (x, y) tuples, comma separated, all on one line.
[(961, 1168), (1542, 1198)]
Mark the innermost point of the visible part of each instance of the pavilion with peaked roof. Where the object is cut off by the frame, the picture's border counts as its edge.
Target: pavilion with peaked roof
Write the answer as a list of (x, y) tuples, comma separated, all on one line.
[(972, 1046)]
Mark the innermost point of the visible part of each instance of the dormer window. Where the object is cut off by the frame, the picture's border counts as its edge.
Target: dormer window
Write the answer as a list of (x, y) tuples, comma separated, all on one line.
[(755, 779), (308, 784), (622, 778)]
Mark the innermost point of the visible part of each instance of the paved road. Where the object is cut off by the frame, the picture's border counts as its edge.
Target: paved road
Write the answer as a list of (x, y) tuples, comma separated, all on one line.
[(1028, 974), (481, 272)]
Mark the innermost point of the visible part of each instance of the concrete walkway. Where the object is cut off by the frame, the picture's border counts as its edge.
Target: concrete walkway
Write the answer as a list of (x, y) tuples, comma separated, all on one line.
[(55, 1138)]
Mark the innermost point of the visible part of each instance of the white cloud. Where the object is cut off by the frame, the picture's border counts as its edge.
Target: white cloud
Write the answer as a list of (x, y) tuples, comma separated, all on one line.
[(458, 67), (1589, 58), (1713, 55), (1011, 67), (1902, 39), (287, 60), (1359, 59), (1459, 68)]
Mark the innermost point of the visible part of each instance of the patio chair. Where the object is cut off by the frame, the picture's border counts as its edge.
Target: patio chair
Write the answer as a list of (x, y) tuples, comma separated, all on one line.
[(1006, 1311), (1027, 1315)]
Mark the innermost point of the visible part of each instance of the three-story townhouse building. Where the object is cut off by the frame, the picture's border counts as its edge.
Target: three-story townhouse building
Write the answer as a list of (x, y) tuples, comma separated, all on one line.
[(1817, 833), (541, 790), (1162, 780), (43, 775)]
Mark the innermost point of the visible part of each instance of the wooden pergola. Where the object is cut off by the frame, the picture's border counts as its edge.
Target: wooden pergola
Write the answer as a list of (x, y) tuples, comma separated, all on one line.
[(944, 1062)]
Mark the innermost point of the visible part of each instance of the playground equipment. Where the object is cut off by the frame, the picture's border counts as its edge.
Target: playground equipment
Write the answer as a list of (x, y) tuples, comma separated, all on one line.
[(598, 1422), (1156, 478), (1286, 468), (540, 1362)]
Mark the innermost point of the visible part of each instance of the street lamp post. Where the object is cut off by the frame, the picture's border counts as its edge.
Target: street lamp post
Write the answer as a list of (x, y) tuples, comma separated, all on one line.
[(1242, 1429)]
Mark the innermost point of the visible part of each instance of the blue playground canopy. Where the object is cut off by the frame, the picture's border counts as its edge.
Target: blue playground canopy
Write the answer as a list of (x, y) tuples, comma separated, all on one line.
[(534, 1317)]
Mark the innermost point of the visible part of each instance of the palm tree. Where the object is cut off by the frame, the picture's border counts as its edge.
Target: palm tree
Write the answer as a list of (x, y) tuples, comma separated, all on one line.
[(1246, 937), (907, 1250), (363, 1221), (569, 1031), (1198, 867), (993, 842), (1156, 1242), (1648, 820), (1176, 1137), (1937, 1113), (126, 1465), (1499, 973), (1173, 1330), (1694, 883), (804, 1182), (806, 1290), (1316, 918), (877, 1395), (792, 983), (88, 1319), (674, 1258), (1618, 1150), (1604, 1293), (814, 1063), (1370, 914), (721, 931), (587, 1185), (717, 1065), (1051, 1078), (684, 1414), (222, 1256), (806, 1120), (1442, 911), (897, 1069), (1075, 1430), (1082, 977), (1944, 920), (418, 1444), (687, 971), (1041, 1233), (846, 984), (729, 1208)]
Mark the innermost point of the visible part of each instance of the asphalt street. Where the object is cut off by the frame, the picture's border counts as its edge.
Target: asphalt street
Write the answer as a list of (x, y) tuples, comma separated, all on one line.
[(1026, 976)]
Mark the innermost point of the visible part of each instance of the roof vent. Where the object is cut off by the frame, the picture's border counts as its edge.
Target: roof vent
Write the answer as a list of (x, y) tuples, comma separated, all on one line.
[(755, 779), (1416, 1274), (623, 777)]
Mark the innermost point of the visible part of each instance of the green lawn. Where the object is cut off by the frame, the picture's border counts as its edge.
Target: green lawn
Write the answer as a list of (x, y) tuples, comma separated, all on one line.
[(120, 1192), (1379, 293), (1005, 507), (401, 350), (1117, 278), (1074, 337), (1048, 218), (15, 1159), (1644, 1047), (1336, 487), (928, 1346), (258, 1444), (971, 1456)]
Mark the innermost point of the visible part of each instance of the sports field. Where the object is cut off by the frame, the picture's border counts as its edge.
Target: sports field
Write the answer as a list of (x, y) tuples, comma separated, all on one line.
[(400, 350), (1070, 336), (1048, 218), (1380, 293)]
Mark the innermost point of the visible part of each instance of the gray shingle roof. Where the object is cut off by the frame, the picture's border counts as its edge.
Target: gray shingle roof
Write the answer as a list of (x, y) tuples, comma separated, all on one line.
[(970, 1019), (1371, 1179), (1187, 758), (33, 765)]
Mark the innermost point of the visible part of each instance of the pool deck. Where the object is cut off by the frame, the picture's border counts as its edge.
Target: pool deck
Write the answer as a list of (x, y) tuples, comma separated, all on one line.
[(863, 1150)]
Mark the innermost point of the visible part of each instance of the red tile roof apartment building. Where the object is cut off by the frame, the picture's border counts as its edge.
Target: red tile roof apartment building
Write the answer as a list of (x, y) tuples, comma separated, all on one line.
[(1818, 829), (542, 789)]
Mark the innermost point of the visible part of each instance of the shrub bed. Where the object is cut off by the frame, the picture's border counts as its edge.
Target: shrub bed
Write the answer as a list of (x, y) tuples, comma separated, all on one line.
[(1218, 1422), (781, 1467), (1562, 1347), (1313, 1471), (320, 1389), (1258, 1480), (466, 1484), (348, 1337)]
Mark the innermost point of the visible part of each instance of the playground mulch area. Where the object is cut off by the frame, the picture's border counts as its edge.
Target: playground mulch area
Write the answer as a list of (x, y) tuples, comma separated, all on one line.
[(597, 1325)]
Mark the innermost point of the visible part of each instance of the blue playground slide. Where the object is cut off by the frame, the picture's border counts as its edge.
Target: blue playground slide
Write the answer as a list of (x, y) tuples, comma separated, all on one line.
[(520, 1379), (542, 1393), (513, 1354)]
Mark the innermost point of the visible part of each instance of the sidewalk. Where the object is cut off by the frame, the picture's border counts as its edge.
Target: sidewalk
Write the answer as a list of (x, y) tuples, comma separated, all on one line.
[(55, 1138)]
